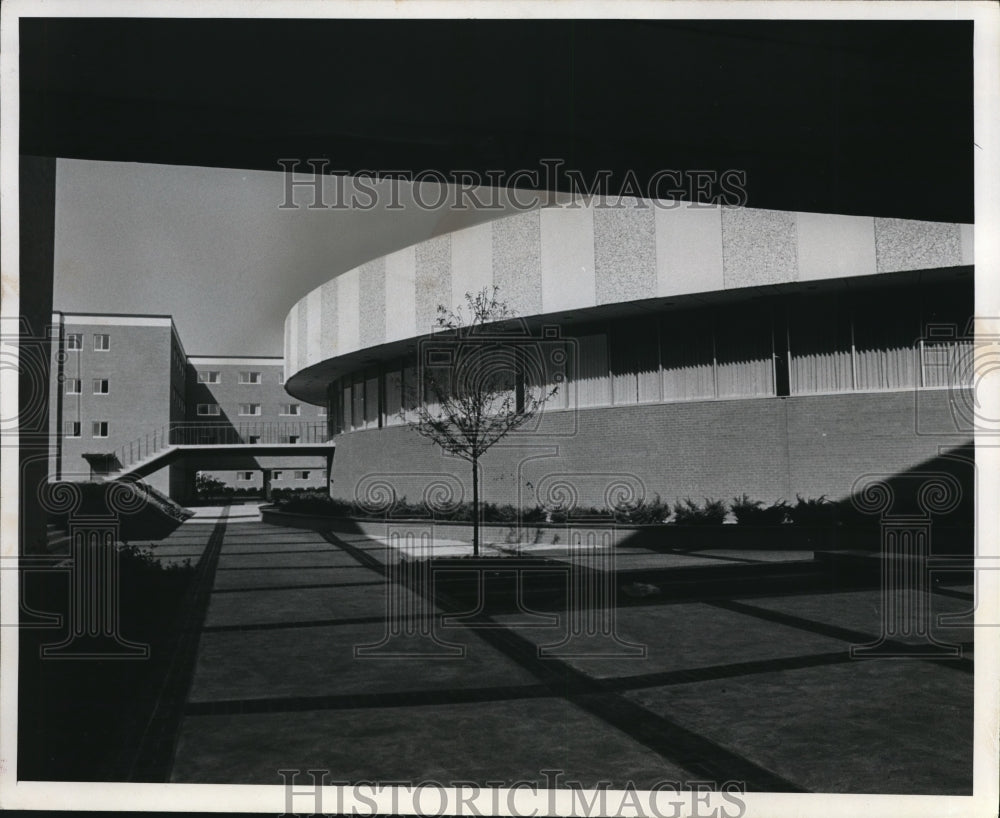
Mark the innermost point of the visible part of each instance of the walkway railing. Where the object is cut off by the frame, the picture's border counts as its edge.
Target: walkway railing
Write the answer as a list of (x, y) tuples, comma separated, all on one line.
[(219, 434)]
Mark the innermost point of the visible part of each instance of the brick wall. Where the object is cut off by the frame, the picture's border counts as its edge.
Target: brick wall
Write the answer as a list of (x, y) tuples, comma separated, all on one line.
[(137, 366), (769, 448), (271, 424), (229, 393)]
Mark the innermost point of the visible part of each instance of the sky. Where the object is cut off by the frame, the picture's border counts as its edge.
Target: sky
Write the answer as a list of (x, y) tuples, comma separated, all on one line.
[(212, 247)]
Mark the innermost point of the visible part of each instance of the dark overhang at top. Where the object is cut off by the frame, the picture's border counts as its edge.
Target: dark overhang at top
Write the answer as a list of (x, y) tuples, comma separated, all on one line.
[(851, 117)]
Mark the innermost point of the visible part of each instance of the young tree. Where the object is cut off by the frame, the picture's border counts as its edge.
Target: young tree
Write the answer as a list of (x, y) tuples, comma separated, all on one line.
[(473, 389)]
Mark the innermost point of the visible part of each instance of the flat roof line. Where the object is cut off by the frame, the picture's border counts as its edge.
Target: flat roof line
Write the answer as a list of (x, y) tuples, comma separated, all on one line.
[(113, 314)]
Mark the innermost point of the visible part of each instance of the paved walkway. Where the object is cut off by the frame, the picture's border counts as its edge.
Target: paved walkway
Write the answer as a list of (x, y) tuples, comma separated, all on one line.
[(246, 512), (755, 688)]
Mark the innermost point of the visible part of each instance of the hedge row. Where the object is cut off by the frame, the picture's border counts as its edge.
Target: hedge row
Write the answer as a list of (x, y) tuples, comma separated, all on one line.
[(742, 510)]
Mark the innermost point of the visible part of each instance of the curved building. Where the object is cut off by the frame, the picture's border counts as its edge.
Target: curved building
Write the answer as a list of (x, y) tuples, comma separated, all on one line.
[(709, 351)]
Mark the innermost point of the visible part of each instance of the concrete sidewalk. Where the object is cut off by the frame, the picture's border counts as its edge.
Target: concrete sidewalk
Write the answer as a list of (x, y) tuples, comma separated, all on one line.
[(246, 513), (756, 689)]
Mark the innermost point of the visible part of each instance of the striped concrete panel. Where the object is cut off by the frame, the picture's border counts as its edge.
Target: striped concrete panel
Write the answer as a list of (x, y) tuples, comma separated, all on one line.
[(517, 261), (314, 324), (372, 302), (400, 294), (688, 249), (968, 243), (289, 361), (328, 305), (625, 252), (471, 262), (758, 247), (303, 333), (835, 246), (348, 324), (293, 340), (904, 244), (433, 281), (562, 259), (567, 258)]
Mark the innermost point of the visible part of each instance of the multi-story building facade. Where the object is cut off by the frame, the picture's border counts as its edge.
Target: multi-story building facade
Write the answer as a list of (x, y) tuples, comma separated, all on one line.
[(115, 380), (125, 390), (244, 399)]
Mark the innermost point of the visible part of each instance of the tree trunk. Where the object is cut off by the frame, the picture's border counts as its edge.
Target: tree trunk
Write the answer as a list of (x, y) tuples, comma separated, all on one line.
[(475, 507)]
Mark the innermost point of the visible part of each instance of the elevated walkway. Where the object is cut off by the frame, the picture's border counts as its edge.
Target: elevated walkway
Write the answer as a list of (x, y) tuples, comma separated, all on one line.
[(220, 446), (211, 453)]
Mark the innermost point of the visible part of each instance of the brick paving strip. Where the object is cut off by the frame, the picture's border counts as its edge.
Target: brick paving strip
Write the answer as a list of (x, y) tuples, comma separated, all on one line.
[(604, 699), (849, 635), (355, 701), (148, 753), (676, 744), (304, 587), (275, 567), (307, 623), (282, 552)]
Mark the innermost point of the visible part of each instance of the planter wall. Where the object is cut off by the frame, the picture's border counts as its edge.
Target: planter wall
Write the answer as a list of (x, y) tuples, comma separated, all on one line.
[(945, 539)]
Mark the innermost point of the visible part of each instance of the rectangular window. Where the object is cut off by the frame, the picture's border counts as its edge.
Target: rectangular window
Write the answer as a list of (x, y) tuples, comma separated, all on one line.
[(208, 409), (593, 383), (545, 369), (371, 402), (819, 345), (71, 428), (208, 377), (253, 439), (99, 428), (410, 391), (744, 353), (687, 356), (321, 412), (276, 475), (346, 401), (73, 386), (249, 408), (102, 342), (886, 341), (101, 386), (635, 362), (946, 345), (302, 475), (358, 405), (250, 377), (291, 438), (74, 341), (244, 476), (393, 397), (290, 409)]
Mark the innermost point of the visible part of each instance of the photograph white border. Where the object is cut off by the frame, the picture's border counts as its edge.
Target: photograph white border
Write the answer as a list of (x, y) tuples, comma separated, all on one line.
[(225, 798)]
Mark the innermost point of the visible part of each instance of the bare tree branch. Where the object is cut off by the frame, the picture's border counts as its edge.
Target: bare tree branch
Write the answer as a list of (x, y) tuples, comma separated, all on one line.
[(476, 396)]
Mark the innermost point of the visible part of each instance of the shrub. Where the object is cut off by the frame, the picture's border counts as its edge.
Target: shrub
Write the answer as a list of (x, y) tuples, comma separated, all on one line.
[(537, 514), (688, 512), (206, 485), (754, 512), (816, 511), (493, 513), (652, 512), (315, 504)]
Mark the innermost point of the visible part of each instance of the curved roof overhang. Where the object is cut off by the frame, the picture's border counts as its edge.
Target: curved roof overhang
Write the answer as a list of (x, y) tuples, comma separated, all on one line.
[(595, 259), (310, 384)]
